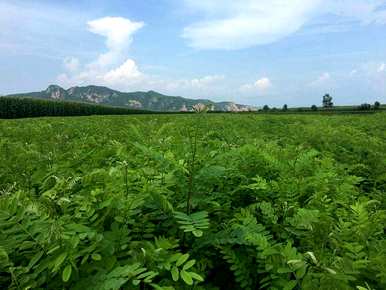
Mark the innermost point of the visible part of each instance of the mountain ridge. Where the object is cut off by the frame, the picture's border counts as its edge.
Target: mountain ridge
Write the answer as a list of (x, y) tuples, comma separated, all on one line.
[(150, 100)]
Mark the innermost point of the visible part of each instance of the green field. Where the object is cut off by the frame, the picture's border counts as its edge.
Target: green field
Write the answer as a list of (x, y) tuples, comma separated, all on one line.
[(203, 201)]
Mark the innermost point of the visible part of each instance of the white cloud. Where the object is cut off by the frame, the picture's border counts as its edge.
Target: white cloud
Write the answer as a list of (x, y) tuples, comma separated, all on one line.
[(113, 67), (123, 73), (203, 82), (119, 35), (207, 86), (229, 24), (261, 85), (321, 80), (122, 77), (245, 23)]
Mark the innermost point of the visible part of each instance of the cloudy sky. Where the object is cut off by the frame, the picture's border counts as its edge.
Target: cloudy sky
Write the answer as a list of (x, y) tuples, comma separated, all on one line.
[(249, 51)]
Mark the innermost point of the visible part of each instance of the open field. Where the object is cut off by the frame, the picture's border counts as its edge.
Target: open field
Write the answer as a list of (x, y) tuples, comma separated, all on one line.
[(201, 201)]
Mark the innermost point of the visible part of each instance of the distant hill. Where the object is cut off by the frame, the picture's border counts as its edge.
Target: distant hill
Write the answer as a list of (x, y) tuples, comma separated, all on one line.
[(150, 100)]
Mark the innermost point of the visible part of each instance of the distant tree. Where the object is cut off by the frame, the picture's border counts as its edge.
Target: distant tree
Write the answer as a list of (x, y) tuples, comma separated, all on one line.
[(285, 107), (327, 101), (13, 107), (364, 107), (377, 105), (266, 108), (314, 108)]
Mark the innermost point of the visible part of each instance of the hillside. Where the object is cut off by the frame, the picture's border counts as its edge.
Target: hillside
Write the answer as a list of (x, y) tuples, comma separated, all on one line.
[(150, 100)]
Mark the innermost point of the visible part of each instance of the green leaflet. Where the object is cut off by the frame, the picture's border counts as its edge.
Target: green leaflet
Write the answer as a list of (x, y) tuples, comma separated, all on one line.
[(66, 273), (182, 259), (175, 273), (193, 223), (186, 277)]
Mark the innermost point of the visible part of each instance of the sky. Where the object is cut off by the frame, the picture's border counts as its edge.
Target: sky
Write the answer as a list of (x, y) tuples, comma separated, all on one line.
[(253, 52)]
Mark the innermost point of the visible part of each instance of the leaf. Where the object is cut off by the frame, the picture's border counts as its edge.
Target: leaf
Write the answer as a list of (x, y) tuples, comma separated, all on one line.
[(53, 249), (4, 259), (175, 274), (196, 276), (199, 215), (119, 219), (59, 260), (311, 254), (66, 273), (189, 264), (174, 257), (331, 271), (147, 276), (290, 285), (136, 282), (284, 270), (197, 233), (294, 261), (157, 287), (182, 259), (96, 257), (35, 259), (186, 277)]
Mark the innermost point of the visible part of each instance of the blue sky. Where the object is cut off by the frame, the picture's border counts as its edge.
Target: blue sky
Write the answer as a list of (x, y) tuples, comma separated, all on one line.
[(248, 51)]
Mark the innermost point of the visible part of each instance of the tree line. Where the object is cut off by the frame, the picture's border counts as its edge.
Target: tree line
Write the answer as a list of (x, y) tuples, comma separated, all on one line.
[(14, 107), (328, 105), (11, 107)]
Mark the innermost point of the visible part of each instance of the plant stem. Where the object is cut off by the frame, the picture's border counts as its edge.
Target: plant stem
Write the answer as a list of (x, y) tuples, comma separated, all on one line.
[(126, 181), (191, 172)]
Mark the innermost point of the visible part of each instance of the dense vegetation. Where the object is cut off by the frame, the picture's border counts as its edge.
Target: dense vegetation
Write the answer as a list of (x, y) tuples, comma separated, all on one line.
[(12, 107), (193, 202)]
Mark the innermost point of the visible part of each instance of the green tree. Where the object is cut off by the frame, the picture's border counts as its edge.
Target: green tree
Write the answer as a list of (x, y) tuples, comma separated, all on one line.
[(314, 108), (285, 107), (365, 107), (377, 105), (327, 101)]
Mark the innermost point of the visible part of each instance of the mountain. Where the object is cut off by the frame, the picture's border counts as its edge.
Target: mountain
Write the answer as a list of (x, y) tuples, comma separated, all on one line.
[(150, 100)]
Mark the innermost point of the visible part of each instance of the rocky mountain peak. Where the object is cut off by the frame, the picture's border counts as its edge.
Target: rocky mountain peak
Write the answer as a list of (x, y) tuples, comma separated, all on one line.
[(55, 92), (150, 100)]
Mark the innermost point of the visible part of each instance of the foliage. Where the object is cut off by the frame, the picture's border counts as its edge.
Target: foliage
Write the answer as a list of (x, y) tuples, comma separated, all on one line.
[(193, 223), (364, 107), (197, 201), (12, 107), (327, 101)]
